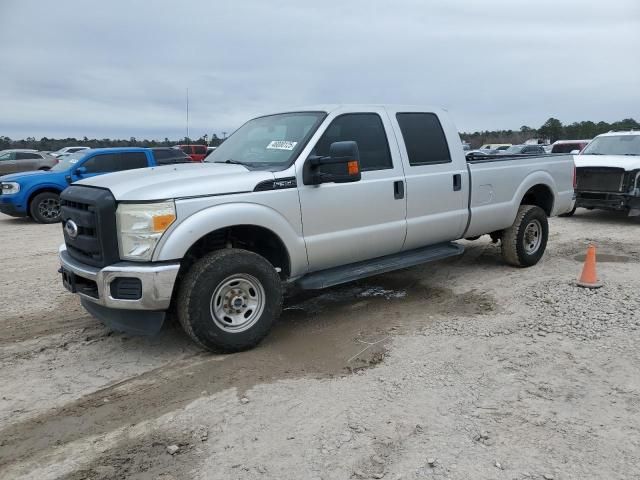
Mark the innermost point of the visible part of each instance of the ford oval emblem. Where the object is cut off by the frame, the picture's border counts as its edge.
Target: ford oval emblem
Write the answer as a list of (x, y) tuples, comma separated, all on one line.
[(71, 228)]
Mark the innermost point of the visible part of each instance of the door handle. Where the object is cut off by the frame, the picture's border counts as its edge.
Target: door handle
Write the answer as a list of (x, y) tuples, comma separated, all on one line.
[(457, 182), (398, 189)]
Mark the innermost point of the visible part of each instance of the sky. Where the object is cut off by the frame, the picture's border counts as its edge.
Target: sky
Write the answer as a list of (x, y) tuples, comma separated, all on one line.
[(122, 68)]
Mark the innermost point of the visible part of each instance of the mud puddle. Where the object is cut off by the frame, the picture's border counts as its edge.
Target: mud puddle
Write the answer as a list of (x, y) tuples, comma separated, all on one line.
[(606, 258), (607, 251), (320, 334)]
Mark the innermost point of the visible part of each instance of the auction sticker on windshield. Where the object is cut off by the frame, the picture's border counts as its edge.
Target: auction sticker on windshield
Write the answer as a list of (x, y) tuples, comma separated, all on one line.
[(281, 145)]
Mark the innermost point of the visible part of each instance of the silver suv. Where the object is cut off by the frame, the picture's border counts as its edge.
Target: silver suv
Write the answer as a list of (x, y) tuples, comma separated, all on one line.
[(12, 161)]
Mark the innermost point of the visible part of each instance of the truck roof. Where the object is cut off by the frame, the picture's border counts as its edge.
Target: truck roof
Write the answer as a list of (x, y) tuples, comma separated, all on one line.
[(118, 149), (330, 107), (613, 133)]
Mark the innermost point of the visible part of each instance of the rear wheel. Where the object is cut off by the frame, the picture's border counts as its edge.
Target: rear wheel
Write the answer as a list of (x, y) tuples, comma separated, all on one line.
[(524, 242), (45, 207), (229, 299)]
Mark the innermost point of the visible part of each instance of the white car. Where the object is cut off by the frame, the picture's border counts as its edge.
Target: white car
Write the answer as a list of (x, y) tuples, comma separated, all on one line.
[(67, 151), (608, 173)]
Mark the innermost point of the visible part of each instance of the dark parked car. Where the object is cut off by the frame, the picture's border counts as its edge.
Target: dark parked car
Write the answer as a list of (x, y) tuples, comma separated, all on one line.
[(169, 156), (524, 150), (568, 146)]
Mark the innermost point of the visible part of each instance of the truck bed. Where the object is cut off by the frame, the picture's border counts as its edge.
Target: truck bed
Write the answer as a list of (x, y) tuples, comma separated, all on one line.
[(500, 182)]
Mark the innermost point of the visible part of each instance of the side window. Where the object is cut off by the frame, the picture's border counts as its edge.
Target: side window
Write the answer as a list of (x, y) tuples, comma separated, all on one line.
[(132, 160), (424, 138), (27, 156), (367, 130), (200, 150), (7, 156), (104, 163)]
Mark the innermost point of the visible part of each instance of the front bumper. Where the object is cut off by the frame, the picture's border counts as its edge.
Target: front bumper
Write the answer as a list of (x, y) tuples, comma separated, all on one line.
[(156, 283), (11, 210), (608, 201)]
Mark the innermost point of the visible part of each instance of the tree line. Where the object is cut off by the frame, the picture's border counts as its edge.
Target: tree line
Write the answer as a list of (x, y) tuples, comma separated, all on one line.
[(53, 144), (550, 131)]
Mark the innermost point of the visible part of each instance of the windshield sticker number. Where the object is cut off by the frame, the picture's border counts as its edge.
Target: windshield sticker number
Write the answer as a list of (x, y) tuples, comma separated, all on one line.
[(73, 161), (281, 145)]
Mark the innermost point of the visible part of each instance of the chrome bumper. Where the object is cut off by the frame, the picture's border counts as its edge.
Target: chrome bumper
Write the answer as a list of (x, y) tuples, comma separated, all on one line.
[(157, 282)]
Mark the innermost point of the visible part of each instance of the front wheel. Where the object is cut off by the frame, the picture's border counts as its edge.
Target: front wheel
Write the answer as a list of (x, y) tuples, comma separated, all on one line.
[(229, 299), (524, 242), (45, 207)]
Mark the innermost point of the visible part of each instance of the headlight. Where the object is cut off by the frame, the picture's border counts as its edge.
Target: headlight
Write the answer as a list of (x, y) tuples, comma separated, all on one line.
[(9, 188), (140, 227)]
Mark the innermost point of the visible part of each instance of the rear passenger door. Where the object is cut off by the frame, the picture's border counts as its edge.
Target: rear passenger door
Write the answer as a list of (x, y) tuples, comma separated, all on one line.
[(347, 222), (436, 176)]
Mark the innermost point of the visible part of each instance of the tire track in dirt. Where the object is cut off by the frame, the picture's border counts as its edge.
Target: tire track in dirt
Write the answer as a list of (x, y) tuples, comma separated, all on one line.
[(343, 340)]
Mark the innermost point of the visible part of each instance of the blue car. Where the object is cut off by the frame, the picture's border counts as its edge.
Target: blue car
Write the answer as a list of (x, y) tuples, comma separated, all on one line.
[(37, 194)]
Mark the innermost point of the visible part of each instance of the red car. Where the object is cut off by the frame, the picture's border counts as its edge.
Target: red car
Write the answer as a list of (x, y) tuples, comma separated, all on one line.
[(196, 152)]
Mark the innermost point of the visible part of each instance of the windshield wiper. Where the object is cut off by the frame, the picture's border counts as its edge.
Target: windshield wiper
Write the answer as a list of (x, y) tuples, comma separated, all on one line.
[(235, 162), (631, 154)]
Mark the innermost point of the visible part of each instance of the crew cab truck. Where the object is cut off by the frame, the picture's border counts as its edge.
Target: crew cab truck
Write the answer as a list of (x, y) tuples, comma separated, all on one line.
[(315, 197), (37, 194), (608, 173)]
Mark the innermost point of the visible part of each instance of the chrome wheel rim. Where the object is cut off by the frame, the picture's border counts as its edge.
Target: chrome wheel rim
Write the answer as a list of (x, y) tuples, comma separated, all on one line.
[(532, 237), (237, 303), (49, 208)]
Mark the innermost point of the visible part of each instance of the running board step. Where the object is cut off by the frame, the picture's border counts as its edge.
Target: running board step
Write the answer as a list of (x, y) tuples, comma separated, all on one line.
[(367, 268)]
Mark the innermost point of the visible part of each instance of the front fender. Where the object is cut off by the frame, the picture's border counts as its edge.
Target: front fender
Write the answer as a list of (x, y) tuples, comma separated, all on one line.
[(181, 236)]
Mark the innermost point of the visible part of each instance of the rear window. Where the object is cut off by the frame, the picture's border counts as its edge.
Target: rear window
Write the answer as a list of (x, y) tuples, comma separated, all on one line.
[(566, 147), (424, 138)]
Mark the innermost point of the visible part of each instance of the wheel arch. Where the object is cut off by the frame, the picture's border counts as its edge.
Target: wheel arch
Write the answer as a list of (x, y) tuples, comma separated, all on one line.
[(38, 190), (249, 226), (540, 195)]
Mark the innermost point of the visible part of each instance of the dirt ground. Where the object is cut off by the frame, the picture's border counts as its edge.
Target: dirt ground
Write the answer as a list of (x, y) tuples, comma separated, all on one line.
[(466, 368)]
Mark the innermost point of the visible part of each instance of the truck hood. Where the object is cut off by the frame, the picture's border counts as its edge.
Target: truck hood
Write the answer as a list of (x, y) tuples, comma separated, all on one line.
[(625, 162), (179, 181), (16, 177)]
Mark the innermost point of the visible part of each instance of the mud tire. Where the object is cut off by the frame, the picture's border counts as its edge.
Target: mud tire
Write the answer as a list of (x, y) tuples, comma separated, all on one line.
[(199, 285), (514, 249)]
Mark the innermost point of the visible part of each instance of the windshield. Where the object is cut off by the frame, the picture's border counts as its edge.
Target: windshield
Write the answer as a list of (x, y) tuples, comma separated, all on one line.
[(614, 145), (514, 149), (268, 143), (65, 163)]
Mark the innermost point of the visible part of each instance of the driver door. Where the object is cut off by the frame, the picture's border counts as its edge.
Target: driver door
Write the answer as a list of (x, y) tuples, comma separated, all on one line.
[(348, 222)]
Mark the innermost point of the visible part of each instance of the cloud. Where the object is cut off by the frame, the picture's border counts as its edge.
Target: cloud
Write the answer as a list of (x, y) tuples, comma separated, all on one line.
[(122, 68)]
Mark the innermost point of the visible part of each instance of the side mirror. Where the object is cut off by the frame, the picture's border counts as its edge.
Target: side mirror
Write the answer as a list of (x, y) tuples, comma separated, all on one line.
[(80, 171), (341, 166), (575, 152)]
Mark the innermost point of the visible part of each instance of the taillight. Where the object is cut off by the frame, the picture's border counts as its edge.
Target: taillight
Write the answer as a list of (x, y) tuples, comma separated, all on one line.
[(575, 177)]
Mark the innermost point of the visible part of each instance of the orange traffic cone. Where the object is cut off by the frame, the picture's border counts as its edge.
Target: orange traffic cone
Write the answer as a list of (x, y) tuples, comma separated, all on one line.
[(589, 278)]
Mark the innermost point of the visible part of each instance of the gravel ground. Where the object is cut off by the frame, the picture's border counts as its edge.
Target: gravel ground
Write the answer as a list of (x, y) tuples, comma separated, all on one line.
[(462, 369)]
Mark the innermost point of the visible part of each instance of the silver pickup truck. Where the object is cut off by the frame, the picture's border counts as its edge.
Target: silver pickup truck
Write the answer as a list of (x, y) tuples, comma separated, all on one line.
[(315, 197)]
